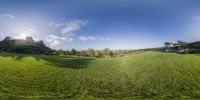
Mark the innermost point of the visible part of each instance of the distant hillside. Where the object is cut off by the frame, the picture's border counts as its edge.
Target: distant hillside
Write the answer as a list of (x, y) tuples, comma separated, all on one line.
[(27, 46)]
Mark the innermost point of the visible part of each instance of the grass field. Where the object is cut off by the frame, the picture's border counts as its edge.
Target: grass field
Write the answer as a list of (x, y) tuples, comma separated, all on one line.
[(149, 75)]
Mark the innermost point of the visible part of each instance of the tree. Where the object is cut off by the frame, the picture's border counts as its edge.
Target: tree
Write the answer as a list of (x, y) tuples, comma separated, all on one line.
[(83, 53), (106, 52), (27, 46), (111, 54), (73, 51), (61, 52), (182, 43), (7, 38), (29, 39), (166, 43), (67, 52), (91, 52), (98, 53), (41, 42)]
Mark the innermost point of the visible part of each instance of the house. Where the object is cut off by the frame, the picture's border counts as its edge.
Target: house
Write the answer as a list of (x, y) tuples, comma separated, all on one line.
[(172, 47)]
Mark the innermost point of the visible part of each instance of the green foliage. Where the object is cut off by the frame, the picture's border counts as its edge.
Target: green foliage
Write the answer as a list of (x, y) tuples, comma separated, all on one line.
[(105, 53), (91, 52), (194, 45), (27, 46), (73, 52), (182, 43), (150, 75), (194, 51)]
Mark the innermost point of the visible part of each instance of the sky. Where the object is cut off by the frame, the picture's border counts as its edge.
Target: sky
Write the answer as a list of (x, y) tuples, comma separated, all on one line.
[(98, 24)]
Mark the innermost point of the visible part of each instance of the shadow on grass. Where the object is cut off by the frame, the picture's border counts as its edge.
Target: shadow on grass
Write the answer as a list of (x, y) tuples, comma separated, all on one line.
[(60, 61), (67, 62)]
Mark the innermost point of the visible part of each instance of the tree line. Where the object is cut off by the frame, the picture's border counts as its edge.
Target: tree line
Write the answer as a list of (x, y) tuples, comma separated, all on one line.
[(26, 46), (105, 53), (30, 46), (91, 52)]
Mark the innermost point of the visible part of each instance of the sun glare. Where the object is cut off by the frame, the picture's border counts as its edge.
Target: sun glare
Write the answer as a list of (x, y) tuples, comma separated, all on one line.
[(22, 35)]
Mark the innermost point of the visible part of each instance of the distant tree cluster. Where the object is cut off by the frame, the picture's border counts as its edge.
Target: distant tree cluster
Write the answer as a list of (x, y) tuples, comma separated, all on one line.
[(105, 53), (27, 46)]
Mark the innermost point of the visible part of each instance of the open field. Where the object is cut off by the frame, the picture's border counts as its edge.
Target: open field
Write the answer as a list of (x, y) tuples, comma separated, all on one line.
[(146, 75)]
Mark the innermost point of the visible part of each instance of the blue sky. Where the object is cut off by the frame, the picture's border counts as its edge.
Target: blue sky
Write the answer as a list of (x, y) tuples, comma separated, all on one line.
[(115, 24)]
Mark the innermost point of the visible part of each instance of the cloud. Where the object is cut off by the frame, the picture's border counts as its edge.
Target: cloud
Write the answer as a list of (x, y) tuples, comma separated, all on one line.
[(65, 29), (55, 40), (6, 18), (73, 25), (6, 15), (31, 30), (51, 23), (193, 27), (197, 18), (88, 38), (56, 25), (70, 39), (68, 27)]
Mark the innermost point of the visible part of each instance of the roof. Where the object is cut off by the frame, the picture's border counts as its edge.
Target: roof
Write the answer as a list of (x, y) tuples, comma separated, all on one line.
[(173, 45)]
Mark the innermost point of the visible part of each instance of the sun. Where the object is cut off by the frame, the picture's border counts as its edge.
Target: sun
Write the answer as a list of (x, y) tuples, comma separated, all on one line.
[(22, 35)]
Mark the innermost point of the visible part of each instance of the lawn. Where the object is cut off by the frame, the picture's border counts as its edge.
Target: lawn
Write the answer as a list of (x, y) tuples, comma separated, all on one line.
[(149, 75)]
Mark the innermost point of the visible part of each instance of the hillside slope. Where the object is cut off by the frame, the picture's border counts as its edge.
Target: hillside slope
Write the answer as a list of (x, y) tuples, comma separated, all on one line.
[(146, 75)]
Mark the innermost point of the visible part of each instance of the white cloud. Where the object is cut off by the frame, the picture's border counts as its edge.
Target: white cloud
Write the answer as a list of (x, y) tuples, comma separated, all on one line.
[(7, 15), (192, 29), (31, 30), (70, 39), (57, 25), (73, 25), (197, 18), (194, 26), (88, 38), (68, 27), (54, 40), (6, 18), (65, 29), (51, 23)]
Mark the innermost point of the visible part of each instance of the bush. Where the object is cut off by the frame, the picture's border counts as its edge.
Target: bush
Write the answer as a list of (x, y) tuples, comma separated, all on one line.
[(194, 51)]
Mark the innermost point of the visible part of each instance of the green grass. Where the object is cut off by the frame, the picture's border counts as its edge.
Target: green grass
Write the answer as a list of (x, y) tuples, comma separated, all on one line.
[(150, 75)]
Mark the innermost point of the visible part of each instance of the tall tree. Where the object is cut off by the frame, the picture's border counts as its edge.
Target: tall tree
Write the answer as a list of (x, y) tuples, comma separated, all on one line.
[(73, 51), (91, 52), (29, 39)]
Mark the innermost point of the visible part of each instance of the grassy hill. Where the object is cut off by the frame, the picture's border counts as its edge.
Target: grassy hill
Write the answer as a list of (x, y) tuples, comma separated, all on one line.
[(146, 75)]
